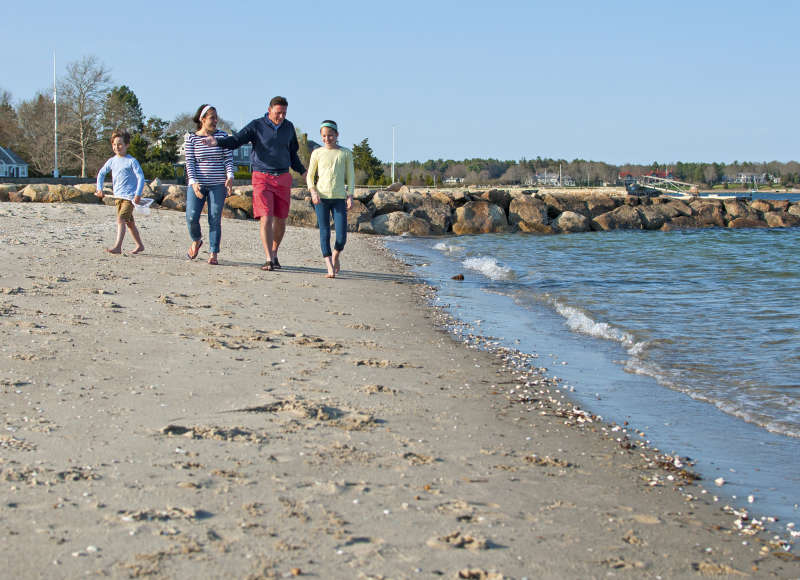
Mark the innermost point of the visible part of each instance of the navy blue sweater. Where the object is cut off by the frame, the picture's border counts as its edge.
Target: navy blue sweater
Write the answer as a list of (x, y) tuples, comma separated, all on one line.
[(273, 151)]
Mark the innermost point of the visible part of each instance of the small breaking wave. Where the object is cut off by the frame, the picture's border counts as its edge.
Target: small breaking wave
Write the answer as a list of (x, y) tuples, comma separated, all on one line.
[(580, 322), (448, 248), (489, 268)]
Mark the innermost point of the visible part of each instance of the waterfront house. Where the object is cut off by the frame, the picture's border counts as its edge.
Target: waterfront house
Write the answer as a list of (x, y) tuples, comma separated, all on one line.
[(11, 164)]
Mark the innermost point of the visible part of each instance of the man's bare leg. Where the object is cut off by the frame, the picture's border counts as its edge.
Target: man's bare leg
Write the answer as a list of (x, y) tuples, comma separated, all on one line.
[(278, 229), (265, 230)]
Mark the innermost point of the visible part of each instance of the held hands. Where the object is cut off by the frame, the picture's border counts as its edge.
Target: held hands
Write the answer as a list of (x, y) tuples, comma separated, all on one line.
[(209, 141)]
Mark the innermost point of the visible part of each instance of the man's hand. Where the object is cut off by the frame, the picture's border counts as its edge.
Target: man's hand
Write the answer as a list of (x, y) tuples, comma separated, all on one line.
[(99, 194), (137, 200)]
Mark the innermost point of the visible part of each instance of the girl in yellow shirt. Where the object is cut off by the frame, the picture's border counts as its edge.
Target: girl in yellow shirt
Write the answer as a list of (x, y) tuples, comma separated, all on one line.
[(331, 181)]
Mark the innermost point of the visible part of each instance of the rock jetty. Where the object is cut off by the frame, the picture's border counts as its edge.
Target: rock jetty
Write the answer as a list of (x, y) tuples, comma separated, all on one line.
[(398, 210)]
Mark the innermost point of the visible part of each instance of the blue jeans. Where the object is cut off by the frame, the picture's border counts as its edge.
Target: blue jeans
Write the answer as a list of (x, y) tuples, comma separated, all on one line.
[(324, 209), (215, 194)]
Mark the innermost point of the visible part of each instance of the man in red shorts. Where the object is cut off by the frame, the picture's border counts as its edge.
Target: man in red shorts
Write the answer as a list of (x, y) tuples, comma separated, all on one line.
[(274, 151)]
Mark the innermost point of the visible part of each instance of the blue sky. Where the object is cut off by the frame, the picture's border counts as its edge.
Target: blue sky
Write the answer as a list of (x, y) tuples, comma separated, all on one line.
[(608, 81)]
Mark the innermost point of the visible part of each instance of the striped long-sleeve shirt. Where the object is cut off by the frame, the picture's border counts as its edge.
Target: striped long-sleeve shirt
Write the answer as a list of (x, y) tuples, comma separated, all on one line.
[(205, 164)]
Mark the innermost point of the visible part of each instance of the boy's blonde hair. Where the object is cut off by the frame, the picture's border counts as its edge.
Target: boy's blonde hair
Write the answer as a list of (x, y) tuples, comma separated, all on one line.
[(122, 134)]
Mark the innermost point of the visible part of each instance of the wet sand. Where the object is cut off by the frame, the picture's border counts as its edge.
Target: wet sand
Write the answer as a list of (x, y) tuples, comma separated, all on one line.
[(168, 418)]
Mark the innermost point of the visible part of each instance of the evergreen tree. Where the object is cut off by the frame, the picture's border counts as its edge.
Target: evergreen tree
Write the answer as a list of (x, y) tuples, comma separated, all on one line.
[(365, 160), (122, 110)]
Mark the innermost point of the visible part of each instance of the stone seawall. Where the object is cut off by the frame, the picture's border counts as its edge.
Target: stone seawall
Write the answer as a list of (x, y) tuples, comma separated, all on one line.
[(399, 210)]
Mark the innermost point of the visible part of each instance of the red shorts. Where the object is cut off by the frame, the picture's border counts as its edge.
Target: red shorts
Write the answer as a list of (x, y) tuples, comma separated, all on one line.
[(271, 194)]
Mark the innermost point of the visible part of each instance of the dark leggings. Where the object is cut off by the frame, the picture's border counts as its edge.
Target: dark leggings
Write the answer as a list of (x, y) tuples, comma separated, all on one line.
[(324, 209)]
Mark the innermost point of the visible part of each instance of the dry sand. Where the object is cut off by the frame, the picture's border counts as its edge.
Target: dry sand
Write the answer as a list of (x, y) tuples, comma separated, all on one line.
[(170, 419)]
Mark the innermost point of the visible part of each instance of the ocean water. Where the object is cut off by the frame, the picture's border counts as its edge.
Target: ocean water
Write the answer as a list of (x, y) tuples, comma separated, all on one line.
[(691, 336)]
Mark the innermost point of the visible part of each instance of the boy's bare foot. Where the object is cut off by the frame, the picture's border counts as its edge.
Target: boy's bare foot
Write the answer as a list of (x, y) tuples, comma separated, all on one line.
[(138, 250), (113, 250)]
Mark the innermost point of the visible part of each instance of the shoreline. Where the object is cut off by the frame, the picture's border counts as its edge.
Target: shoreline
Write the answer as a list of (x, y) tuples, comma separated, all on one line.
[(169, 418)]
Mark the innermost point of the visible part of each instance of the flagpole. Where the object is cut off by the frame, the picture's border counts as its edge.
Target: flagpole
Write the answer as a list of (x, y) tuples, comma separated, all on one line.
[(55, 119)]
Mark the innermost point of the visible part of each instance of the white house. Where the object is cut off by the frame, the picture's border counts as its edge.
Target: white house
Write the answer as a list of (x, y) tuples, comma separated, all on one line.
[(11, 165)]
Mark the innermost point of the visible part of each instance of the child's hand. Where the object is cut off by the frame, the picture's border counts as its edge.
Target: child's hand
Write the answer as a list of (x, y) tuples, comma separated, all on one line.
[(229, 187), (99, 194), (196, 189), (137, 200)]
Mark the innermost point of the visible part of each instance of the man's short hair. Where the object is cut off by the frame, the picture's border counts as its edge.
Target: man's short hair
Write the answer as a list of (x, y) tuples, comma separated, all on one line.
[(122, 134), (278, 101)]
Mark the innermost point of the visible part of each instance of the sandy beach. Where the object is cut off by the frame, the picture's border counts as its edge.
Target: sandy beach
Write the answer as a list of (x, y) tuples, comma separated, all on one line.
[(165, 418)]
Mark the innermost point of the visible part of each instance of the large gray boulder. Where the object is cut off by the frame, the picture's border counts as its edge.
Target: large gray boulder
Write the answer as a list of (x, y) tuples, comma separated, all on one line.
[(709, 212), (241, 202), (498, 197), (480, 217), (68, 194), (598, 205), (399, 222), (358, 214), (437, 214), (528, 214), (655, 216), (781, 219), (625, 217), (36, 192), (572, 222), (411, 200), (744, 222), (176, 199), (302, 213), (736, 208), (386, 201)]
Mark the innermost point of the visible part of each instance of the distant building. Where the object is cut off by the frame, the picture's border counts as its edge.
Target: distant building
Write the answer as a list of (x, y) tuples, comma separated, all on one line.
[(11, 164), (453, 180), (551, 179)]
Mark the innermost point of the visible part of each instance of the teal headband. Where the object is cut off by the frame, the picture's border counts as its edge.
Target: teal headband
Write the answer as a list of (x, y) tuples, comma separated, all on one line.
[(330, 126)]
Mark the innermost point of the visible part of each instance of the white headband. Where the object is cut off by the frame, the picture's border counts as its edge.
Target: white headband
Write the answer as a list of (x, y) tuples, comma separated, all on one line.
[(204, 111)]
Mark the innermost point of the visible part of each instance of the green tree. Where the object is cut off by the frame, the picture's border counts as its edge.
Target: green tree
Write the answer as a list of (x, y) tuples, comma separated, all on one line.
[(122, 109), (365, 160), (138, 147)]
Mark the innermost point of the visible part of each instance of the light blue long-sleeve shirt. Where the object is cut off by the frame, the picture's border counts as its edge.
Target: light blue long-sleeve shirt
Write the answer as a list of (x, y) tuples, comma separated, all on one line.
[(126, 174)]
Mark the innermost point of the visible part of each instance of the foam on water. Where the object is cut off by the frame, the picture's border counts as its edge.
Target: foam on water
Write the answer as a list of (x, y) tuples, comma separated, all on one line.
[(580, 322), (489, 268)]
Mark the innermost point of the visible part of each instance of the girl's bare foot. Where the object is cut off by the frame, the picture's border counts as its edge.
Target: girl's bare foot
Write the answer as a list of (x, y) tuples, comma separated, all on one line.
[(113, 250), (336, 265), (138, 249)]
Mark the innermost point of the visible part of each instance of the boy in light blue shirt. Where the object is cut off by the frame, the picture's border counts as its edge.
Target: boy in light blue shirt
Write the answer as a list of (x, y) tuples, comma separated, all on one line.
[(128, 182)]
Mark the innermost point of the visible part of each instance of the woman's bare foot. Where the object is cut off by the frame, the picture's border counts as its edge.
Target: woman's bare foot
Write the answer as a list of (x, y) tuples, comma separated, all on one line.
[(113, 250), (138, 250), (330, 275), (336, 265)]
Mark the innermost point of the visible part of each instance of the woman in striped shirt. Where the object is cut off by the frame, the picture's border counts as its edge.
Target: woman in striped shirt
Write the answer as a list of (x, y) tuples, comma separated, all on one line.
[(210, 173)]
